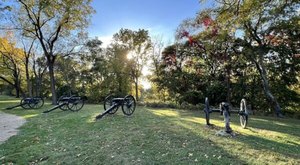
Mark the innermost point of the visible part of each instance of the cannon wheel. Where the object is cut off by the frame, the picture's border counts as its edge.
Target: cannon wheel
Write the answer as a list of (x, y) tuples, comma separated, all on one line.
[(75, 103), (108, 103), (129, 105), (25, 103), (36, 102), (62, 101), (243, 113), (207, 111)]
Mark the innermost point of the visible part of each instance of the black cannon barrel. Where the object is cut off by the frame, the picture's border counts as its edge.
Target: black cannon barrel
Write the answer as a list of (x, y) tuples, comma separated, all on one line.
[(52, 109), (106, 112), (8, 108)]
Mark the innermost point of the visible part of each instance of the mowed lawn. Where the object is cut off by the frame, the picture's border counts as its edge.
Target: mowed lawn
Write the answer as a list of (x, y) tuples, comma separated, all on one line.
[(149, 136)]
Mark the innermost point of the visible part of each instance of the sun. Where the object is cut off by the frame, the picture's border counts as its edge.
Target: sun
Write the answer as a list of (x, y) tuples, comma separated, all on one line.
[(146, 84), (130, 55)]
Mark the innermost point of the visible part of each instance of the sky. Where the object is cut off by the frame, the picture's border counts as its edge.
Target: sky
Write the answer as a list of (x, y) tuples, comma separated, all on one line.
[(159, 17)]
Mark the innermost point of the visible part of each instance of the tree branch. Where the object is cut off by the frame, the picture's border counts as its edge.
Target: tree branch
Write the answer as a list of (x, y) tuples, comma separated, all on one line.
[(4, 79)]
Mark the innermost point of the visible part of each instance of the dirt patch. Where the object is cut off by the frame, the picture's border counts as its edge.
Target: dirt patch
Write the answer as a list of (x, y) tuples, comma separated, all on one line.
[(9, 125)]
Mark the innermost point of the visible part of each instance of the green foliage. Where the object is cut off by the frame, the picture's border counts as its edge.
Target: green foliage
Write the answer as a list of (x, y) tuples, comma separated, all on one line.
[(95, 95), (216, 92), (54, 24), (231, 50), (11, 64), (138, 44), (192, 97), (224, 59)]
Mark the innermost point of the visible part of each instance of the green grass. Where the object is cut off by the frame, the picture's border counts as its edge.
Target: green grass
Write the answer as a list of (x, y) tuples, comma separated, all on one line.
[(149, 136)]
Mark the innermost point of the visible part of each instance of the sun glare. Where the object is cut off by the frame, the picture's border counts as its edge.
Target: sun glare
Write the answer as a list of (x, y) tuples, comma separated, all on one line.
[(145, 72), (130, 55), (146, 84)]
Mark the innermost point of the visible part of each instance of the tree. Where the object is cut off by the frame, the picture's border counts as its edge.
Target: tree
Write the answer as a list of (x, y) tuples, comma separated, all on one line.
[(3, 8), (180, 73), (11, 64), (69, 74), (156, 60), (28, 51), (39, 68), (215, 48), (119, 69), (259, 21), (52, 22), (255, 31), (95, 72), (139, 44), (155, 55)]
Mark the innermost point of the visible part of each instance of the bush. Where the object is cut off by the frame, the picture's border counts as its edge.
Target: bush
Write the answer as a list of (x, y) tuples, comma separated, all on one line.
[(192, 97), (184, 105)]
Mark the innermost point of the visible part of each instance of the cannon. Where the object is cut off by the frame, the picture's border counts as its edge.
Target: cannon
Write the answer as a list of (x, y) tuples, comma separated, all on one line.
[(29, 103), (225, 110), (72, 103), (111, 105)]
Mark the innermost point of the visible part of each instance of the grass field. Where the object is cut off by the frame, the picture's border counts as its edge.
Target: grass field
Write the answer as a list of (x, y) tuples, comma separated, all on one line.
[(149, 136)]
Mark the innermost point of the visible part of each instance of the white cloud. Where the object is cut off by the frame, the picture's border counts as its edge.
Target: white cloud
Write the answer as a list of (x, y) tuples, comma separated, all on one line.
[(106, 40)]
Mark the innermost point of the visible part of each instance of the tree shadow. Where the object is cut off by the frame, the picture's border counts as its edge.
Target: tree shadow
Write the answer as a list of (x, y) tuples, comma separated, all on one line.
[(189, 134), (290, 150), (287, 126), (147, 137), (161, 139), (287, 148)]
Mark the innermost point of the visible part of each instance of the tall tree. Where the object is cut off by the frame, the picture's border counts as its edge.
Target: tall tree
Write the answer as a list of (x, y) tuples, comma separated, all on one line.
[(52, 23), (28, 51), (139, 44), (253, 26), (259, 21), (69, 70), (95, 70), (119, 68), (39, 68), (11, 64), (155, 55)]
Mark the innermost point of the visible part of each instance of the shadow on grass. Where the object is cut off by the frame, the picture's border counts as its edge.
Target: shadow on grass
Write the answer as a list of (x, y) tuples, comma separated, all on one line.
[(9, 103), (288, 126), (194, 137), (291, 150), (141, 138), (147, 137), (283, 143)]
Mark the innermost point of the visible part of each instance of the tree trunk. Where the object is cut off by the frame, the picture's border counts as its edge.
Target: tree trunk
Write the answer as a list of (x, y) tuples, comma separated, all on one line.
[(29, 85), (17, 91), (136, 89), (228, 86), (18, 87), (17, 83), (13, 84), (272, 100), (38, 84), (52, 83)]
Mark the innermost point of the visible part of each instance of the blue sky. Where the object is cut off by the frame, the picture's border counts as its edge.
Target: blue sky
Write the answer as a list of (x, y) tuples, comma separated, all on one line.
[(160, 17)]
